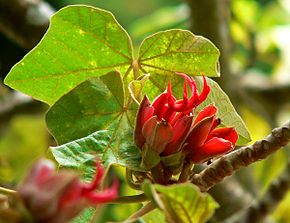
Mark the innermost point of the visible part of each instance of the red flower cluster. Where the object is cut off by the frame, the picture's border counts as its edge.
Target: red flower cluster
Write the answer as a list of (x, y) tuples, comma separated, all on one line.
[(58, 197), (166, 126)]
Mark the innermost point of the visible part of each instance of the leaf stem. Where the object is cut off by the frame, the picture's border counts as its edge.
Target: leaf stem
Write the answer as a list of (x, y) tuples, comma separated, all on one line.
[(144, 210), (7, 191), (186, 169), (158, 174), (130, 199), (135, 66)]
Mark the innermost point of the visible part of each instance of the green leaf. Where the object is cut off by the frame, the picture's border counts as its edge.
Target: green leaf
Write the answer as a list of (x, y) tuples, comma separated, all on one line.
[(86, 216), (81, 42), (154, 216), (136, 88), (226, 111), (184, 203), (80, 154), (178, 51), (94, 105)]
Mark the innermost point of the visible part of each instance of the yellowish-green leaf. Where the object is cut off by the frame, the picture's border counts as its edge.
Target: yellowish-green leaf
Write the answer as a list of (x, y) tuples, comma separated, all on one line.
[(81, 42), (178, 51)]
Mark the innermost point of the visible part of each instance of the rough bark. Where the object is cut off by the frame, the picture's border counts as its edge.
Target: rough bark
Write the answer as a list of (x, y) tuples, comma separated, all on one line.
[(228, 164)]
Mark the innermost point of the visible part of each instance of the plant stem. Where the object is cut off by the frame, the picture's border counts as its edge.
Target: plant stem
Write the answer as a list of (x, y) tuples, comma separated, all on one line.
[(144, 210), (158, 174), (135, 66), (7, 191), (130, 199), (185, 171)]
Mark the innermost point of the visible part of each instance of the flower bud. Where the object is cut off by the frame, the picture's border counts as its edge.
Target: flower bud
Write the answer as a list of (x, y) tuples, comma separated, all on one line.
[(57, 197)]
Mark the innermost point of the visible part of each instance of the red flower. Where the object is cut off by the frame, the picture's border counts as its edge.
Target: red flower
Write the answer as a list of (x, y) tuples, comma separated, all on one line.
[(164, 125), (205, 141), (58, 197)]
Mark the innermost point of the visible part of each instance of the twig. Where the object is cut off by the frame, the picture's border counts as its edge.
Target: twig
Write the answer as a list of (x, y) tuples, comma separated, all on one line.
[(144, 210), (259, 210), (7, 191), (228, 164), (130, 199)]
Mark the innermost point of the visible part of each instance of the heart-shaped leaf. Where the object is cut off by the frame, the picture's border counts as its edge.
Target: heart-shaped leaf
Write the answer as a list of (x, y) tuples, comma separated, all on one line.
[(178, 51), (94, 105), (81, 42)]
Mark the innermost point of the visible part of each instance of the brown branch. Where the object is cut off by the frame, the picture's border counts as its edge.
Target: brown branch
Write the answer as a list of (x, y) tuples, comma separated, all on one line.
[(24, 21), (259, 210), (228, 164)]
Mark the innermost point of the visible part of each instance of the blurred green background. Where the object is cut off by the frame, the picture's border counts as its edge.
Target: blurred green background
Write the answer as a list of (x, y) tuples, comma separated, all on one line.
[(260, 55)]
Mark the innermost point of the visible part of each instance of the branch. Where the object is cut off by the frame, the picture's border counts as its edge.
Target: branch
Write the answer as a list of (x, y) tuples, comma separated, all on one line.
[(24, 21), (259, 210), (228, 164)]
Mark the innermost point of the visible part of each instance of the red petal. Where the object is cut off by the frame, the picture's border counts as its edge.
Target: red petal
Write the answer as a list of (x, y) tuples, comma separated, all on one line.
[(41, 170), (103, 196), (144, 113), (226, 133), (180, 129), (189, 81), (148, 129), (212, 148), (199, 133), (157, 134), (208, 111), (98, 177), (159, 102), (205, 91)]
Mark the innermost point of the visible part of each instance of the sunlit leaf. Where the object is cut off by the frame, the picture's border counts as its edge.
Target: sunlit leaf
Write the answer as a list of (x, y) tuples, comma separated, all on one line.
[(178, 51), (184, 203), (154, 216), (81, 42)]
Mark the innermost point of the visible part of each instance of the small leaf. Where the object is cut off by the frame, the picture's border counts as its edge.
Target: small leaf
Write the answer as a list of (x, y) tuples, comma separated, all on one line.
[(81, 42), (178, 51), (136, 88), (184, 203)]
